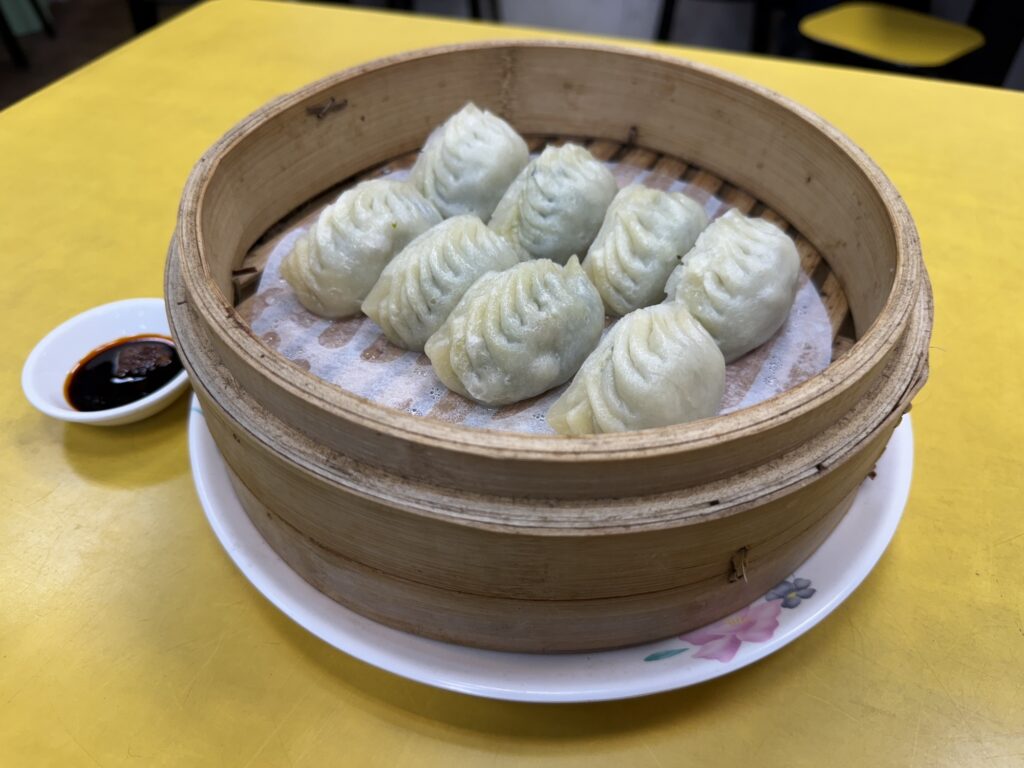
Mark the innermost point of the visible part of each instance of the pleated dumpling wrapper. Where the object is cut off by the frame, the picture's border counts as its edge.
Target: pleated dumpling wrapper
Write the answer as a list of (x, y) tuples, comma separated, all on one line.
[(644, 235), (739, 281), (656, 367), (555, 207), (469, 162), (334, 264), (421, 286), (518, 333)]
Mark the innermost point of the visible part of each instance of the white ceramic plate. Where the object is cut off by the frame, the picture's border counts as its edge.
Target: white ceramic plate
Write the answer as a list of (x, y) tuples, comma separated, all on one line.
[(55, 356), (813, 592)]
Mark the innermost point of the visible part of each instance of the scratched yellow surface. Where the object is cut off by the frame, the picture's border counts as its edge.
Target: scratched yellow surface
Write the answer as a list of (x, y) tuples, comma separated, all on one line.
[(127, 637)]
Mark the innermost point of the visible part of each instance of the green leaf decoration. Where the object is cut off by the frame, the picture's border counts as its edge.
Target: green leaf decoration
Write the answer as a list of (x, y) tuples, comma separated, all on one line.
[(659, 655)]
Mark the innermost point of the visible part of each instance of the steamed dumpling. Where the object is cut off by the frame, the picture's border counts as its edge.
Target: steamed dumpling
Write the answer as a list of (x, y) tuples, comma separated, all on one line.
[(468, 163), (644, 235), (739, 281), (657, 366), (518, 333), (423, 283), (335, 263), (556, 205)]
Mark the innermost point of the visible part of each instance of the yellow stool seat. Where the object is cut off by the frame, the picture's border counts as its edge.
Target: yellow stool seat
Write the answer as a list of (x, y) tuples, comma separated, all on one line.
[(890, 34)]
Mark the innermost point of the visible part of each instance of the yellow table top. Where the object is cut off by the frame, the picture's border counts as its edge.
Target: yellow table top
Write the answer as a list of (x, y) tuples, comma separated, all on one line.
[(127, 637)]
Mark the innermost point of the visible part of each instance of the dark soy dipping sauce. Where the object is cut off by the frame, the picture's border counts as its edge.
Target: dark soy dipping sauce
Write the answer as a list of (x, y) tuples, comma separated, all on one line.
[(122, 372)]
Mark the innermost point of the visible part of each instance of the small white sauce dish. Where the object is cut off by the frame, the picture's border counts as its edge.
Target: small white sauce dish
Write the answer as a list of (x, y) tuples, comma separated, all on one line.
[(53, 358)]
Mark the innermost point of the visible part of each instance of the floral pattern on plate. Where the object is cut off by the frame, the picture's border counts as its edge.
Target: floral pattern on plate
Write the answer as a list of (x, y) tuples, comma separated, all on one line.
[(757, 623), (792, 593)]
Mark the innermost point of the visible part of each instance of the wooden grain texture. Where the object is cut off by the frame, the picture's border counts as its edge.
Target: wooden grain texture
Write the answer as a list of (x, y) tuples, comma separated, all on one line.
[(591, 542), (285, 155), (524, 625), (581, 574)]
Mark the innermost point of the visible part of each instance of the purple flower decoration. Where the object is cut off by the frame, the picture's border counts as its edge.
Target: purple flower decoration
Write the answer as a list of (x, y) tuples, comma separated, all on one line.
[(791, 593)]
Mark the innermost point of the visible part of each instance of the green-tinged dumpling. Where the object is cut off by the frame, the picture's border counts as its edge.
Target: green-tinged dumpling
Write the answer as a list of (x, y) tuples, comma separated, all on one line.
[(644, 235), (555, 207), (468, 163), (518, 333), (423, 283), (656, 367), (739, 281), (335, 263)]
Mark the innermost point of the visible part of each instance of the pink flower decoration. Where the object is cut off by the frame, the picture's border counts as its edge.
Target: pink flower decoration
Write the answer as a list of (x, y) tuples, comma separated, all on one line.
[(722, 639)]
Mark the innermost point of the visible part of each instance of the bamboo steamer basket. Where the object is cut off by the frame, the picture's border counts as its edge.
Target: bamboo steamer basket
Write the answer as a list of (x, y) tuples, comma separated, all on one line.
[(544, 543)]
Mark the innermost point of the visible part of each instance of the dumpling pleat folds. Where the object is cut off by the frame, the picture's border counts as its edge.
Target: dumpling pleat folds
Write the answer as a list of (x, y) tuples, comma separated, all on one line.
[(656, 367), (739, 281), (518, 333), (644, 235), (554, 208), (420, 287), (336, 262)]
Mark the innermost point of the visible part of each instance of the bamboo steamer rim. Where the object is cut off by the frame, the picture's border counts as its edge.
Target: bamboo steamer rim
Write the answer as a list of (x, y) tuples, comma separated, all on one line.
[(711, 501), (869, 350)]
